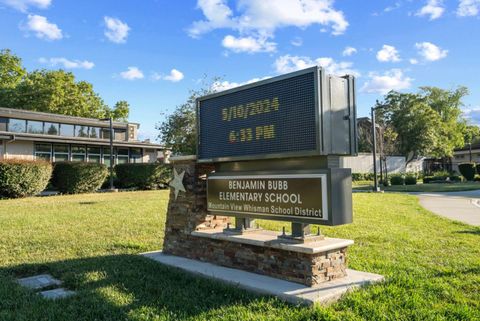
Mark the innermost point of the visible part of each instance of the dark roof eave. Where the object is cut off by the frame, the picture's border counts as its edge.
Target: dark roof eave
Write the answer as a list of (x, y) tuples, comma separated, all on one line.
[(76, 140)]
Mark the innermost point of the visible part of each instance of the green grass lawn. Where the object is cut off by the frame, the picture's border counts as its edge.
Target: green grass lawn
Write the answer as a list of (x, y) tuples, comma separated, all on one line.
[(431, 264), (433, 187)]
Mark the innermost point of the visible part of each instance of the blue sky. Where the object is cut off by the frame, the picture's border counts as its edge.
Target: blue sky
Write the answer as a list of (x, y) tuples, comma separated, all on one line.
[(151, 52)]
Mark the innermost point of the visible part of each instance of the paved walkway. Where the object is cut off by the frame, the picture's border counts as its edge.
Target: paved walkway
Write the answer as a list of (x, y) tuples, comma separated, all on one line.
[(459, 206)]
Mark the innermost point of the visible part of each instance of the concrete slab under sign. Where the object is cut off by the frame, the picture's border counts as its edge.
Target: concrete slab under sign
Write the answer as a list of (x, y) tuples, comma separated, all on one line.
[(39, 281), (325, 293), (55, 294)]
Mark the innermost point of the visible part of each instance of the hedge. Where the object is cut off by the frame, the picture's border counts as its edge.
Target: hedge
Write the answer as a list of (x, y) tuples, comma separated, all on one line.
[(467, 170), (21, 178), (78, 177), (362, 177), (410, 179), (142, 176), (397, 179)]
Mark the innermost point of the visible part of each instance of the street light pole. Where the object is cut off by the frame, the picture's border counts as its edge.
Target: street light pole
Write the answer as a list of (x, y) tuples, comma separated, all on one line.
[(374, 151), (110, 121), (470, 150), (111, 154)]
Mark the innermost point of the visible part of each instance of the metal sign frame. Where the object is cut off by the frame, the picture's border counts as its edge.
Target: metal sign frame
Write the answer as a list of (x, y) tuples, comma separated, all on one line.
[(313, 220), (336, 194), (319, 82)]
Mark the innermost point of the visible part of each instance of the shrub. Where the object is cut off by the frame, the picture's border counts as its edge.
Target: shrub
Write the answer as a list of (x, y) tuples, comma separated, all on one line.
[(467, 170), (455, 178), (358, 177), (142, 176), (478, 168), (397, 179), (427, 179), (368, 176), (78, 177), (441, 175), (410, 179), (20, 178)]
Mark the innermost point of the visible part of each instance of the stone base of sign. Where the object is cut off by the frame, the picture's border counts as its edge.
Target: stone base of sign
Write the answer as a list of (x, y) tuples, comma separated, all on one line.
[(324, 293), (263, 253), (194, 233)]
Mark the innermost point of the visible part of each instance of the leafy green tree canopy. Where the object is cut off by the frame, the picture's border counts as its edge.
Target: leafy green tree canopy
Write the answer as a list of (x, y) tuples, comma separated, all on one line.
[(179, 131), (427, 123), (52, 91)]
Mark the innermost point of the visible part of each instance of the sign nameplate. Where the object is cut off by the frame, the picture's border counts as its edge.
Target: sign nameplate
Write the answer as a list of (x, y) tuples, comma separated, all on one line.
[(291, 197)]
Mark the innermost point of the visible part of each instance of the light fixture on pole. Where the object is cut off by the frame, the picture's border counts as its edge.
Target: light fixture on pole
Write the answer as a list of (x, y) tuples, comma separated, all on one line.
[(110, 120), (376, 188)]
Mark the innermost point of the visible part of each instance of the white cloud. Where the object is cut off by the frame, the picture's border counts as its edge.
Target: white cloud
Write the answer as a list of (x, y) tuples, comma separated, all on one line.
[(288, 63), (434, 9), (430, 52), (413, 61), (472, 115), (23, 5), (468, 8), (393, 79), (267, 15), (248, 44), (388, 54), (224, 85), (297, 42), (348, 51), (116, 30), (67, 64), (174, 76), (42, 28), (257, 21), (132, 73), (396, 6)]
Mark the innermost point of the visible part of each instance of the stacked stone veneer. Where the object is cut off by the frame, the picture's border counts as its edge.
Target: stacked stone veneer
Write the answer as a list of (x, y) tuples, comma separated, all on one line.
[(188, 213)]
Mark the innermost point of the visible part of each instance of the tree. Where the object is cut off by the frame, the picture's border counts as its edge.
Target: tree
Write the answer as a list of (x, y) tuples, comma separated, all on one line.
[(51, 91), (11, 73), (179, 130), (426, 123), (120, 111), (11, 70), (471, 134), (55, 91)]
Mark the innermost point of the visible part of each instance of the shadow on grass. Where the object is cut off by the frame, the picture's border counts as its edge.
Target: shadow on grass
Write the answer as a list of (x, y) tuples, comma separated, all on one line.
[(474, 231), (119, 287)]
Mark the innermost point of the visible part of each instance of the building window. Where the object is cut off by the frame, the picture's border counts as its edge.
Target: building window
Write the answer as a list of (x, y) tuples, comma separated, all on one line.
[(17, 125), (120, 134), (135, 155), (106, 156), (78, 153), (94, 154), (3, 124), (43, 151), (60, 153), (52, 128), (81, 131), (122, 155), (67, 130), (34, 127), (94, 132), (105, 133)]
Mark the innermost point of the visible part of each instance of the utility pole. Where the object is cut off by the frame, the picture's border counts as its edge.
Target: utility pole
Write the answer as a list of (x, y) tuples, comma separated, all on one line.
[(112, 159), (470, 149), (374, 152)]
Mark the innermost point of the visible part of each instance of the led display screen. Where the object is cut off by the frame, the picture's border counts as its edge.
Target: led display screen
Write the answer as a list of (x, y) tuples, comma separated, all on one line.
[(271, 118)]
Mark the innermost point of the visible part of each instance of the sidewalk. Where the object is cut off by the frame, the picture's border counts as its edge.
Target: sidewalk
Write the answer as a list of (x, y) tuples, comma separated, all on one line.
[(458, 206)]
